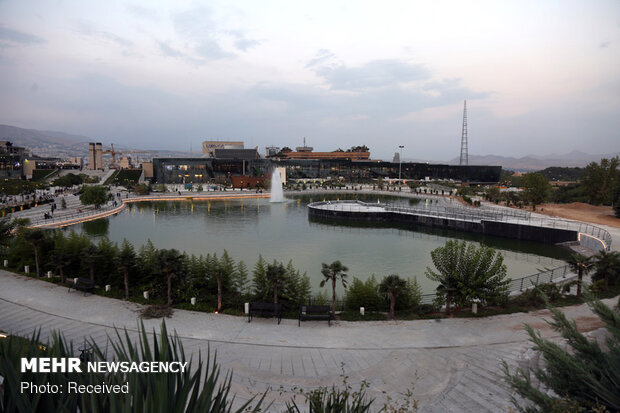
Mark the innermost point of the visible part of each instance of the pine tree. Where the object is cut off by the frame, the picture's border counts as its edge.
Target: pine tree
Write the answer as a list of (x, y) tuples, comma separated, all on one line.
[(582, 378), (260, 284)]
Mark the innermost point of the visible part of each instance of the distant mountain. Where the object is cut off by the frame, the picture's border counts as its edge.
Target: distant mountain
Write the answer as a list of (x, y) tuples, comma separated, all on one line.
[(62, 145), (536, 162), (46, 143)]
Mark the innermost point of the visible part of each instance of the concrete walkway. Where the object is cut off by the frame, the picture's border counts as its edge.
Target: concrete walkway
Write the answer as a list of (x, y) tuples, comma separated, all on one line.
[(451, 366)]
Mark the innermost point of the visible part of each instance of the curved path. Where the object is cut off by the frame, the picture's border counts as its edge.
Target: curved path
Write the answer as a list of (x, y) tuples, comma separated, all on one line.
[(451, 366)]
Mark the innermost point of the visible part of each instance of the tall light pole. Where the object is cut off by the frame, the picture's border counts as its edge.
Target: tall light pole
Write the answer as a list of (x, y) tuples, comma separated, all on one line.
[(400, 162)]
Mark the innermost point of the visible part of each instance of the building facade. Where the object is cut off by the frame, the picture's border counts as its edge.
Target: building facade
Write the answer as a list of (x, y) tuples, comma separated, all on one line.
[(205, 170)]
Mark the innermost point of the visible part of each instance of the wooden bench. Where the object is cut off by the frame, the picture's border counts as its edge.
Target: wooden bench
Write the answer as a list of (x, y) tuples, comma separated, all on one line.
[(82, 284), (265, 309), (315, 312)]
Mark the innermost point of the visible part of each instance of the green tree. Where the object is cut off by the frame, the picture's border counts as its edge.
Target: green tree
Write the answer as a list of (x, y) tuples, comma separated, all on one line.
[(537, 188), (126, 260), (363, 294), (7, 227), (599, 181), (331, 273), (607, 265), (392, 286), (380, 183), (275, 274), (90, 254), (147, 262), (107, 260), (297, 287), (94, 195), (466, 272), (240, 281), (260, 284), (36, 238), (584, 377), (616, 199), (68, 180), (581, 265), (60, 257), (142, 189), (225, 276), (171, 265)]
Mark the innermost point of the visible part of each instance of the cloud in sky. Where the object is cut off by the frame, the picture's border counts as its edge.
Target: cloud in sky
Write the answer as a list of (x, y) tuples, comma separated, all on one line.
[(376, 73), (16, 37), (170, 74)]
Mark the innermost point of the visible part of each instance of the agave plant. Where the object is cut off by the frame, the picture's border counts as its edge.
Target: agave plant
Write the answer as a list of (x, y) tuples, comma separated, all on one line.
[(197, 389)]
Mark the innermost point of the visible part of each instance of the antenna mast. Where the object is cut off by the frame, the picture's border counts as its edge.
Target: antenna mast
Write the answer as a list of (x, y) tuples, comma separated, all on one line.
[(464, 155)]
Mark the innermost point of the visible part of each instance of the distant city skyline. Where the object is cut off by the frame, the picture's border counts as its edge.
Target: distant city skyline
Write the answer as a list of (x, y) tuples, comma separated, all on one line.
[(538, 77)]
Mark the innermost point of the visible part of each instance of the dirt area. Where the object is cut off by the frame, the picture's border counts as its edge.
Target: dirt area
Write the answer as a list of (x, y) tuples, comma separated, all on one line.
[(579, 211)]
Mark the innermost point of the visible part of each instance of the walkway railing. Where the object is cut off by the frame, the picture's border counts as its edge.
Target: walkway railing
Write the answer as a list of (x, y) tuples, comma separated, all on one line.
[(478, 215), (89, 212), (519, 285)]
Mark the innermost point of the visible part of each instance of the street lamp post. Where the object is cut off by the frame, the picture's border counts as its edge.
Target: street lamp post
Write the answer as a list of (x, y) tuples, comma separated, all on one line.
[(400, 162)]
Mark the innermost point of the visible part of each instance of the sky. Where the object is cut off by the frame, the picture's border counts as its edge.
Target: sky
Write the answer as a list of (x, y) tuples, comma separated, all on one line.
[(539, 77)]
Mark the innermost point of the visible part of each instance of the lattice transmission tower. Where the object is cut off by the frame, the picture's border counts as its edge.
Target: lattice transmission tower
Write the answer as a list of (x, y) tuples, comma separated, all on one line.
[(464, 155)]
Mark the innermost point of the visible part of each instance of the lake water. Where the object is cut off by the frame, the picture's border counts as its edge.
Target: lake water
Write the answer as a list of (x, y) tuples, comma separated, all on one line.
[(283, 231)]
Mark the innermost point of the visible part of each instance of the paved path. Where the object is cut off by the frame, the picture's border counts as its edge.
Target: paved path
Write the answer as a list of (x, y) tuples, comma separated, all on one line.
[(451, 366)]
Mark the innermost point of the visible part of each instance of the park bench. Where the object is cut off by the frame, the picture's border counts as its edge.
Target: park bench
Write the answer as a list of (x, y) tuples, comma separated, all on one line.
[(315, 312), (82, 284), (265, 309)]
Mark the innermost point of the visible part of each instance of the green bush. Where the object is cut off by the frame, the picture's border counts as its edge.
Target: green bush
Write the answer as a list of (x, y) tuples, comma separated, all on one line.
[(535, 297), (364, 294), (68, 180)]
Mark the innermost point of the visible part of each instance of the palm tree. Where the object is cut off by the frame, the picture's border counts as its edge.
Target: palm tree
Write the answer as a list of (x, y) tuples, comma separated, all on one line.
[(582, 265), (607, 264), (275, 273), (126, 260), (170, 262), (36, 238), (392, 285), (331, 273)]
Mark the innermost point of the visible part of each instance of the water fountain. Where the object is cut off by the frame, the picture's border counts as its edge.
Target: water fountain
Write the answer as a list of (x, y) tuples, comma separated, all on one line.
[(277, 194)]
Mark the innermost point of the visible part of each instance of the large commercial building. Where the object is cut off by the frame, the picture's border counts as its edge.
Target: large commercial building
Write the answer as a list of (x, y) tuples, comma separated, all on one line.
[(11, 160), (204, 170)]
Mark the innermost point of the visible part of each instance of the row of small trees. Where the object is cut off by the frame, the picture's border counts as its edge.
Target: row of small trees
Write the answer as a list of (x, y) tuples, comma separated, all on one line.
[(175, 276), (166, 273)]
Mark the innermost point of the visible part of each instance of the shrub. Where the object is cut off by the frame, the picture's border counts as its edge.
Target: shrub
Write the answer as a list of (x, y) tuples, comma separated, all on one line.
[(364, 294), (536, 297)]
